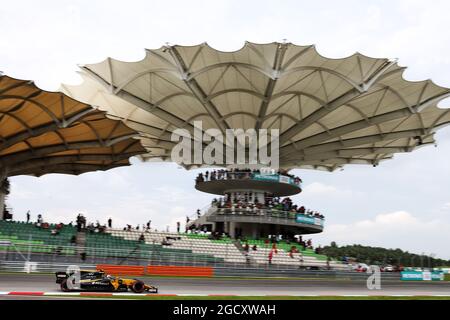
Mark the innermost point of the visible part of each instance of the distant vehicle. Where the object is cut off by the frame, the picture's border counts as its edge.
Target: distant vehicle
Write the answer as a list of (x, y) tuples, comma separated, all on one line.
[(98, 280), (360, 267), (388, 268)]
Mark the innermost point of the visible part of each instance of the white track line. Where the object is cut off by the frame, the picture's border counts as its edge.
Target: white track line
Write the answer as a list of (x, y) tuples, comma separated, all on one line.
[(56, 293), (61, 293)]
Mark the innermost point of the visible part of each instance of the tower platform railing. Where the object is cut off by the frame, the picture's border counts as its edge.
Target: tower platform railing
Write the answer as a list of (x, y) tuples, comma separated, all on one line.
[(249, 175), (308, 223), (273, 213)]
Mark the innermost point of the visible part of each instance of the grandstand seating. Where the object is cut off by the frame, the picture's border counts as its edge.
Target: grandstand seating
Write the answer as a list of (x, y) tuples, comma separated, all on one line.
[(157, 248), (282, 257), (188, 245), (225, 248), (26, 236)]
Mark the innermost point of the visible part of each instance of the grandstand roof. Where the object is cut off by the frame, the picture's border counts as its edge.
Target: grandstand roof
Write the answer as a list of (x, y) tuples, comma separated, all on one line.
[(330, 112), (48, 132)]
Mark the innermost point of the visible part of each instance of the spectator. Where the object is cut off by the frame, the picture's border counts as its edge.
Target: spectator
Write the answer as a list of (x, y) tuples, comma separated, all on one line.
[(28, 216), (110, 223), (270, 256), (91, 228), (178, 226), (142, 238), (198, 213), (39, 219), (274, 247), (291, 254), (81, 222), (292, 251), (78, 221), (149, 224)]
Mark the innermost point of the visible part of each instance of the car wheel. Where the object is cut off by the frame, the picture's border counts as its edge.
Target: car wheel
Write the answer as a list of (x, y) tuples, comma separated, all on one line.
[(64, 287), (138, 287)]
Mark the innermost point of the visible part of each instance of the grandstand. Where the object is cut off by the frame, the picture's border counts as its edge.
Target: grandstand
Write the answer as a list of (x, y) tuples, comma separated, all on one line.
[(157, 248), (200, 246), (26, 236)]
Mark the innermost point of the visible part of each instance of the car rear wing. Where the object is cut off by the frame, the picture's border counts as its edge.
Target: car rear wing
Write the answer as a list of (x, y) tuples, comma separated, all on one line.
[(60, 276)]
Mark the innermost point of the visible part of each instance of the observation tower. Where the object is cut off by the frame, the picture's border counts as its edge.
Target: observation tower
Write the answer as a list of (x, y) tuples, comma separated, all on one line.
[(247, 209), (329, 113)]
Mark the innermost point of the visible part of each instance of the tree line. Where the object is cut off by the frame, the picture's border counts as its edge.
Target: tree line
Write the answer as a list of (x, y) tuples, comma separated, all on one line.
[(382, 256)]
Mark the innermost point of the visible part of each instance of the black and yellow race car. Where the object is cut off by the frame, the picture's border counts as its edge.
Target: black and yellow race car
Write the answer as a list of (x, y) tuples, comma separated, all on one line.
[(98, 280)]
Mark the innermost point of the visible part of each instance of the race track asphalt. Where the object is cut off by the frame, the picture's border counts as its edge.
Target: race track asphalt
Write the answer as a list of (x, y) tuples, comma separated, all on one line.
[(250, 287)]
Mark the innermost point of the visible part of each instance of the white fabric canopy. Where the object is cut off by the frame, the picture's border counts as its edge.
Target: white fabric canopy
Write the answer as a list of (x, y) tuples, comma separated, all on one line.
[(330, 112)]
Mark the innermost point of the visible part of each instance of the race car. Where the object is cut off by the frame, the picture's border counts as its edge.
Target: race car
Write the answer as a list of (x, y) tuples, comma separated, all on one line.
[(98, 280)]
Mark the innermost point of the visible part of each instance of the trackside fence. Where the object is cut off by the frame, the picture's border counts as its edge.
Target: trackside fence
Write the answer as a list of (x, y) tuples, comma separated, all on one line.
[(50, 258), (136, 256), (151, 270)]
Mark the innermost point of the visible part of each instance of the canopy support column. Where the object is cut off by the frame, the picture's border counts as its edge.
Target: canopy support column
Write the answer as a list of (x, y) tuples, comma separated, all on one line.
[(3, 192)]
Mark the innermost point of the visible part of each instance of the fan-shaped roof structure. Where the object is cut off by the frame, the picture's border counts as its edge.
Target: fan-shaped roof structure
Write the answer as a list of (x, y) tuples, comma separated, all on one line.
[(48, 132), (330, 112)]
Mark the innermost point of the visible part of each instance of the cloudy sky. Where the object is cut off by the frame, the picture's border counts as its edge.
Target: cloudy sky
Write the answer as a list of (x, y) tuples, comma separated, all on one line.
[(403, 203)]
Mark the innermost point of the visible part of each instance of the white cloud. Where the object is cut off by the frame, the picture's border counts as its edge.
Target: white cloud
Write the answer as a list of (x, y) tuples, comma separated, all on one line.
[(398, 229), (446, 206), (172, 194), (318, 189)]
